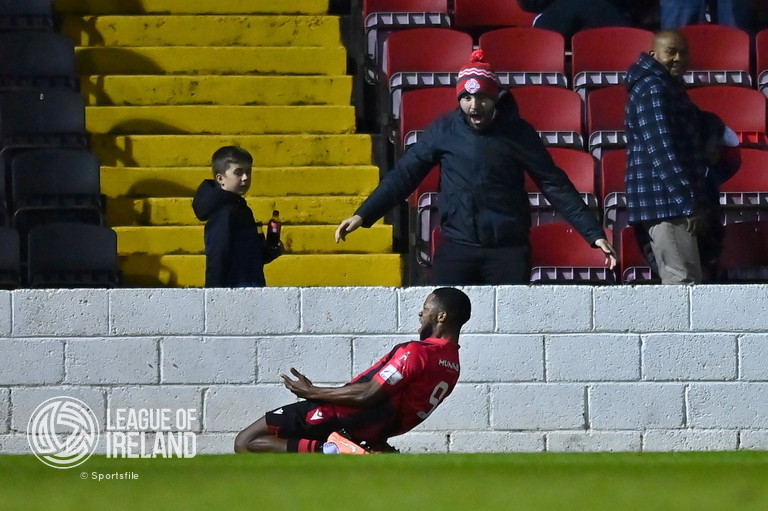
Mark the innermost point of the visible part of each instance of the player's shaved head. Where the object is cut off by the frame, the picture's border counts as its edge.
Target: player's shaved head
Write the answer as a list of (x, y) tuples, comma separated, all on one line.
[(455, 303)]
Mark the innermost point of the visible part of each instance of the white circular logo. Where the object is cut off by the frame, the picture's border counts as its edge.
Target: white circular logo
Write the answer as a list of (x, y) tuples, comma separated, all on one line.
[(472, 86), (63, 432)]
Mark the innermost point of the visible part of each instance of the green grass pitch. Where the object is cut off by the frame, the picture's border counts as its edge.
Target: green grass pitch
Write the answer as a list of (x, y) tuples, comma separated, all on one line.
[(728, 481)]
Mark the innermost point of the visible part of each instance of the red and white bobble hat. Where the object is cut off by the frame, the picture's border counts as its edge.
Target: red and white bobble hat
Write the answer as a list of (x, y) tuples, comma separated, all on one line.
[(477, 76)]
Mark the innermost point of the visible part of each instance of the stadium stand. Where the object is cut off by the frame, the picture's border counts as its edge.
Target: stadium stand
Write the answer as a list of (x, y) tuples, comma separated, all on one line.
[(55, 184), (168, 82), (613, 168), (493, 14), (37, 117), (26, 15), (418, 108), (605, 119), (740, 108), (601, 56), (72, 255), (745, 195), (37, 59), (632, 265), (554, 112), (10, 259), (412, 59), (719, 55), (382, 17), (744, 258), (560, 255), (538, 57), (580, 168)]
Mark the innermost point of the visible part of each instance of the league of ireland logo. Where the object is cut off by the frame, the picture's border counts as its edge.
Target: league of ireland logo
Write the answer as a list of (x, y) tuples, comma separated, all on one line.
[(63, 432)]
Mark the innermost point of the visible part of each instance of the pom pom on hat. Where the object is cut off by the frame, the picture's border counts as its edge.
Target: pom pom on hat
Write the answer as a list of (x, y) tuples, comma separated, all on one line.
[(478, 76)]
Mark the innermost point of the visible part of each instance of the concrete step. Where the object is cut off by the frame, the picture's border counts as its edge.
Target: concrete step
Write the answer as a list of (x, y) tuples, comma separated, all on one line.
[(270, 182), (192, 6), (100, 90), (215, 119), (178, 210), (202, 30), (298, 239), (267, 150), (212, 60), (286, 271)]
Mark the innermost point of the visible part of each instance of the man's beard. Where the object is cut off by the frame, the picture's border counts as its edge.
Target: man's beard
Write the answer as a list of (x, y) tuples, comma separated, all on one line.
[(426, 331)]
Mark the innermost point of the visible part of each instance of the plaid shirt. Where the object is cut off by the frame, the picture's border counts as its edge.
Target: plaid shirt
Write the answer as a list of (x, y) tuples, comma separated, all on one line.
[(666, 161)]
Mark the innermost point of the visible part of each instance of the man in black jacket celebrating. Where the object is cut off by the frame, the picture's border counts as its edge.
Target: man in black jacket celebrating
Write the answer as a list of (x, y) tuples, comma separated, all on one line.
[(484, 148)]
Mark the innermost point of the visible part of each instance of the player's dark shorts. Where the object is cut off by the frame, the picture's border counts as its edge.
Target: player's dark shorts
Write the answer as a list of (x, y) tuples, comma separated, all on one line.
[(315, 421), (290, 421)]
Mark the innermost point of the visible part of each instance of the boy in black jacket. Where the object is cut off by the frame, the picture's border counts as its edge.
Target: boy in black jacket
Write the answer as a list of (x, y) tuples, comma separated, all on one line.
[(235, 250)]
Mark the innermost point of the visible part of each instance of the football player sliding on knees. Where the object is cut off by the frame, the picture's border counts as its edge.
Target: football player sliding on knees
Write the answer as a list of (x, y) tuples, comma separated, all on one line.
[(390, 398)]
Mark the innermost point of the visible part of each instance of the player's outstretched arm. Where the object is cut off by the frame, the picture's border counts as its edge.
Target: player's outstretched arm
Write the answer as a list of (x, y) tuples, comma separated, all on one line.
[(347, 226), (353, 394)]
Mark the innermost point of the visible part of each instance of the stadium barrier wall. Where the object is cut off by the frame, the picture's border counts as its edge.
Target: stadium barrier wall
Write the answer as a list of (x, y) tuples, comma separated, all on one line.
[(549, 368)]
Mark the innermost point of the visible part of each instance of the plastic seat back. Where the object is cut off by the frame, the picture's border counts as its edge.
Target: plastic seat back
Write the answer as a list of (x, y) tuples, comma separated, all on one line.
[(719, 55), (423, 57), (37, 59), (744, 258), (42, 117), (601, 56), (54, 184), (26, 15), (10, 259), (559, 254), (526, 56), (605, 119), (554, 112), (72, 255), (740, 108), (469, 14)]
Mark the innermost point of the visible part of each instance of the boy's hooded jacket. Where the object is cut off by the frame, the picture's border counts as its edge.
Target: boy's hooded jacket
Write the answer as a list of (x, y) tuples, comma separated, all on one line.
[(235, 251)]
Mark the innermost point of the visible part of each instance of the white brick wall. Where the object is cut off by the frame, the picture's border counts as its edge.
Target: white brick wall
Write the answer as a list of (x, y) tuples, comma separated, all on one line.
[(544, 368)]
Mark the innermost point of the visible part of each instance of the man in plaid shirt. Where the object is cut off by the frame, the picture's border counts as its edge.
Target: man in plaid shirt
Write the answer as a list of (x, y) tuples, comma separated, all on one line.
[(667, 137)]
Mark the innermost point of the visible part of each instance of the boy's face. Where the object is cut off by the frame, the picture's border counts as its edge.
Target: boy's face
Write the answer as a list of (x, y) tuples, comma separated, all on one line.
[(236, 179)]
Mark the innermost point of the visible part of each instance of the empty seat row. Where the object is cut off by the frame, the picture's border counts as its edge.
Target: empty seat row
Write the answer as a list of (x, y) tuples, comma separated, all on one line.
[(26, 15), (59, 254)]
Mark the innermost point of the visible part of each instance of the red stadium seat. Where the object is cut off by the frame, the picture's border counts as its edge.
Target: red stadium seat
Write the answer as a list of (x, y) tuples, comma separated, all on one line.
[(469, 14), (554, 112), (537, 58), (423, 57), (633, 266), (613, 168), (601, 56), (745, 195), (419, 107), (560, 255), (605, 119), (744, 258), (719, 55), (381, 17), (740, 108), (580, 168)]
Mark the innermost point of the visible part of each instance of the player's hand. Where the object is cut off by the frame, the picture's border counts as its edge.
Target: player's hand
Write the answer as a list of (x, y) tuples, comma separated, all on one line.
[(610, 253), (301, 386), (347, 226)]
